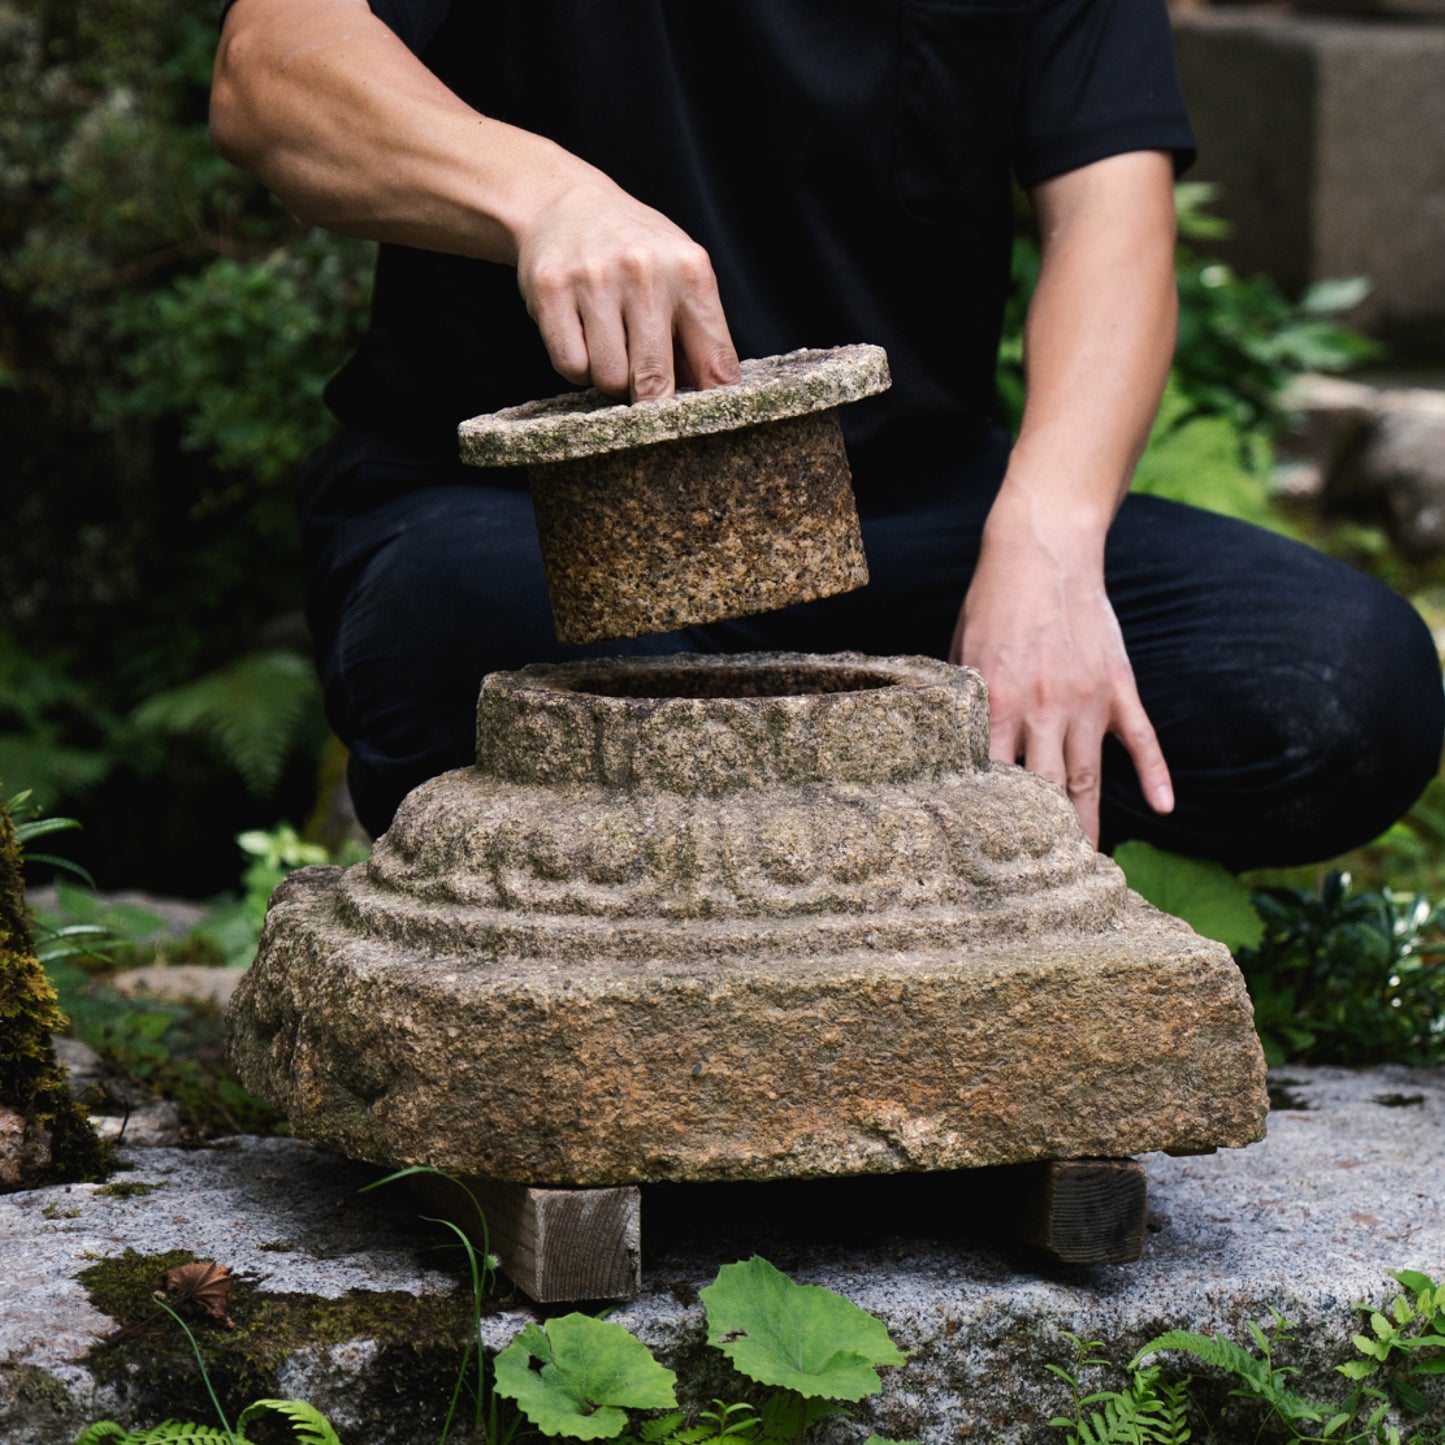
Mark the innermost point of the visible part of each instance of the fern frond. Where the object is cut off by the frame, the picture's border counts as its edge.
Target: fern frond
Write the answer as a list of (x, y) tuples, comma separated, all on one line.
[(182, 1432), (308, 1424), (1174, 1424), (1222, 1354), (651, 1431), (253, 711), (103, 1430)]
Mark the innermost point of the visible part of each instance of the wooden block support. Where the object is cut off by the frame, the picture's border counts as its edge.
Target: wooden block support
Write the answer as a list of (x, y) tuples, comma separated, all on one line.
[(554, 1244), (1081, 1211)]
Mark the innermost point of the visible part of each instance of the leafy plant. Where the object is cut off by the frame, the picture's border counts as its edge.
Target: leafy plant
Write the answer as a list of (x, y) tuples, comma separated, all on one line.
[(1261, 1381), (1148, 1412), (1336, 977), (168, 329), (308, 1424), (255, 712), (1405, 1347), (482, 1266), (1347, 978), (578, 1377), (173, 1049), (1406, 1343), (591, 1372), (802, 1338), (1240, 343)]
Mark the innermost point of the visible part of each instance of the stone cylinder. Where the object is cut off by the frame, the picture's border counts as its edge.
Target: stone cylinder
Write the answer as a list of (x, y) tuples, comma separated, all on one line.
[(694, 507), (699, 529)]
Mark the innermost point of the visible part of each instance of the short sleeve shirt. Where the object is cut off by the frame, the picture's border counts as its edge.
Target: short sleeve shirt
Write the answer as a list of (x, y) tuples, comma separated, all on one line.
[(848, 165)]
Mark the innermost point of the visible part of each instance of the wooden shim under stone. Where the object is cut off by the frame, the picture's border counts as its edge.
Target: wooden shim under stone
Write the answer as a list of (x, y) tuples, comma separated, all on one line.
[(554, 1244), (1081, 1211)]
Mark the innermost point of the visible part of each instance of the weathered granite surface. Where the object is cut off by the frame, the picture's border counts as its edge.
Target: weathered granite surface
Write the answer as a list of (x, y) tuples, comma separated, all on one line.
[(1344, 1189), (682, 533), (696, 507), (755, 917), (586, 423)]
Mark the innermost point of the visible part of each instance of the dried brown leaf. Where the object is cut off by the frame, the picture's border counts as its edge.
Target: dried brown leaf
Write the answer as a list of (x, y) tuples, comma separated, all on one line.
[(206, 1284)]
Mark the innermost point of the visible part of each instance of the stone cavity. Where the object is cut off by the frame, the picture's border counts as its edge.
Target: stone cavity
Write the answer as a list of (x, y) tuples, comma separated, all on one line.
[(696, 507), (748, 917)]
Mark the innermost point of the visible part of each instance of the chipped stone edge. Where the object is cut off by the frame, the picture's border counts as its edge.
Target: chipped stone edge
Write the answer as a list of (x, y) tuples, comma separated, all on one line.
[(579, 424)]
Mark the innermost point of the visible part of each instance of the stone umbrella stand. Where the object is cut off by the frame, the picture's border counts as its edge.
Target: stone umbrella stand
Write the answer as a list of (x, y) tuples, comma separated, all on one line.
[(753, 917)]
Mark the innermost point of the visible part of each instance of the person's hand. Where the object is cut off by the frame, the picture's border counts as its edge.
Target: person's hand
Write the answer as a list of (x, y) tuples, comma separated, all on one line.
[(1038, 624), (624, 299)]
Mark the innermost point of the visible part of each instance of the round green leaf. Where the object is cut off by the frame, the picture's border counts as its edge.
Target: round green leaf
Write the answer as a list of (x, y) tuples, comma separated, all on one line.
[(592, 1370), (801, 1337), (1205, 895)]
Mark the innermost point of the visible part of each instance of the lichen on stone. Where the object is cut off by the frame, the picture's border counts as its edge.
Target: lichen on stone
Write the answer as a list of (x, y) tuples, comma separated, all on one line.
[(586, 423)]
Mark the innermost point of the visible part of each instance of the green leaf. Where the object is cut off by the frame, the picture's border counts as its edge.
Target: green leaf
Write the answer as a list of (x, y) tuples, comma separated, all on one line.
[(102, 1430), (254, 712), (179, 1432), (1205, 895), (592, 1370), (1329, 298), (653, 1432), (308, 1424), (1412, 1279), (798, 1337), (25, 832), (1411, 1398)]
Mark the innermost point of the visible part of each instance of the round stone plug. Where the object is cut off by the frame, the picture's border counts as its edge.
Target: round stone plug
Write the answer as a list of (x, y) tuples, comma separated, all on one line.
[(697, 507)]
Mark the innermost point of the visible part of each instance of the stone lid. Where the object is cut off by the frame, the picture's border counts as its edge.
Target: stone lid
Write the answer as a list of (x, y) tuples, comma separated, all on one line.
[(584, 423)]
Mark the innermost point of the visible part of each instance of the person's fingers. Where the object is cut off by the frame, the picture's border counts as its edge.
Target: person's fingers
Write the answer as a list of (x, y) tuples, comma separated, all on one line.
[(955, 643), (606, 338), (701, 328), (1044, 753), (1133, 728), (554, 308), (1004, 740), (1083, 762), (649, 342)]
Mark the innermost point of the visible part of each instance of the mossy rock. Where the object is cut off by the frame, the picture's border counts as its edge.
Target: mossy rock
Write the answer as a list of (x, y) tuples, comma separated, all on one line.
[(58, 1143), (415, 1343)]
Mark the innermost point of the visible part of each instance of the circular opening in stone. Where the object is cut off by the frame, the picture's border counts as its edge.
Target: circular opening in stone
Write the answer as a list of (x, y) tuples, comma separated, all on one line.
[(703, 681)]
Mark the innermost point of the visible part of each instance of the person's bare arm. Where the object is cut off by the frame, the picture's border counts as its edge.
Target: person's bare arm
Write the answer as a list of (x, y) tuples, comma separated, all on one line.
[(1036, 621), (326, 106)]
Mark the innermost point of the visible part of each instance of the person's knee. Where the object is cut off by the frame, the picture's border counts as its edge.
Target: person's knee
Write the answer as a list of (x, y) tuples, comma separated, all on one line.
[(1391, 709)]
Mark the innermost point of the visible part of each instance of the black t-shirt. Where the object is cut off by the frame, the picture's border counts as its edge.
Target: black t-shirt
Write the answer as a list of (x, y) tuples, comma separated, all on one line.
[(846, 163)]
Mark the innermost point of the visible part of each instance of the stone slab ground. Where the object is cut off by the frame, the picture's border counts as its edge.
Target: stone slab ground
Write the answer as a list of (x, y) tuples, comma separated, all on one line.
[(1349, 1184)]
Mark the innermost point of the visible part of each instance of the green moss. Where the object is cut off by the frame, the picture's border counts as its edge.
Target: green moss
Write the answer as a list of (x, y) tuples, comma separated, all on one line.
[(127, 1189), (38, 1387), (31, 1080), (419, 1342)]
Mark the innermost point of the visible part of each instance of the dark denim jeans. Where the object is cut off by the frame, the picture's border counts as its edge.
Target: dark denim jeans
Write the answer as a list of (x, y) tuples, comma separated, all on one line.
[(1297, 701)]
